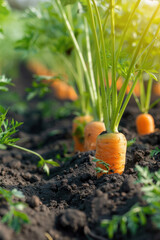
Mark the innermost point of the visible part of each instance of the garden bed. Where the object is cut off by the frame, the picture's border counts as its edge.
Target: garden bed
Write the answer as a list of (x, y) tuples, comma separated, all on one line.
[(71, 202)]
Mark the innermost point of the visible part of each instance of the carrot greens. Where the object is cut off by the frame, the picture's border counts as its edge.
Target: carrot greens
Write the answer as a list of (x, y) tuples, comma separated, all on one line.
[(145, 94), (113, 103)]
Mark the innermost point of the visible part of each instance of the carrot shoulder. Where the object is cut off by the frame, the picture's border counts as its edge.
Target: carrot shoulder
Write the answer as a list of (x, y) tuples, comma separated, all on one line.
[(91, 132), (145, 124), (111, 148), (79, 124)]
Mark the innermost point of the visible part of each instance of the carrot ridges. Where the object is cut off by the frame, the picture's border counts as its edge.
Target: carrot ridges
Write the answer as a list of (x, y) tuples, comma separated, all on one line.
[(111, 148)]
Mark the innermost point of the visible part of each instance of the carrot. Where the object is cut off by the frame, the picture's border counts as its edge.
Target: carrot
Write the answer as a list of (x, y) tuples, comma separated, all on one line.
[(111, 148), (63, 91), (71, 94), (78, 131), (119, 82), (38, 68), (91, 132), (145, 124), (60, 89), (136, 89), (156, 89)]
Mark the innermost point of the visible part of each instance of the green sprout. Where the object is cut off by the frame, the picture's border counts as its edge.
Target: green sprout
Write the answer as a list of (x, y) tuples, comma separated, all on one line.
[(7, 129), (131, 142), (99, 169), (14, 218), (154, 152)]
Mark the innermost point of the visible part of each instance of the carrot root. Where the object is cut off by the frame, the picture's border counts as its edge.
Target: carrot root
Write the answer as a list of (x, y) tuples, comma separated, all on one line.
[(111, 149), (78, 131), (63, 91), (145, 124), (91, 132)]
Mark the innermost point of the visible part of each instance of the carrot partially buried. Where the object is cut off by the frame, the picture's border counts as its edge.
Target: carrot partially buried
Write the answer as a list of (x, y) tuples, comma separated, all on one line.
[(111, 149), (91, 132), (145, 124), (79, 124)]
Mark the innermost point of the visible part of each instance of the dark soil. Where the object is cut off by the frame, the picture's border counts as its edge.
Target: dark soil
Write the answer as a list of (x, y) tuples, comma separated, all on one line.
[(71, 202)]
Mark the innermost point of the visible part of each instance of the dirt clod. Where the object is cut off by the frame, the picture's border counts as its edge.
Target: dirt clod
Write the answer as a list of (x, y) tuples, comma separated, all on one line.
[(72, 219)]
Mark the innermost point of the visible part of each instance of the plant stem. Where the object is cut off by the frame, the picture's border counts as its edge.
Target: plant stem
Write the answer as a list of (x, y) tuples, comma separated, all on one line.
[(137, 101), (142, 93), (80, 83), (106, 18), (113, 87), (125, 84), (126, 29), (91, 69), (145, 100), (79, 52), (26, 150), (154, 103), (127, 100), (148, 95), (100, 69)]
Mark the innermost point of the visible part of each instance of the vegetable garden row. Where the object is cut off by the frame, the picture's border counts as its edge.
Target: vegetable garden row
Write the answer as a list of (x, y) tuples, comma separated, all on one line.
[(79, 120)]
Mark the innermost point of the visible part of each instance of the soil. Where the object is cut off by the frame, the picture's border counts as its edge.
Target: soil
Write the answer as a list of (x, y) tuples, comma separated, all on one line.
[(71, 202)]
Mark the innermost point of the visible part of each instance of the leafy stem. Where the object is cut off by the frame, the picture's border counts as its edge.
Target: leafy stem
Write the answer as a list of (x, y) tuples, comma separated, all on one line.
[(14, 217), (42, 162), (125, 84), (8, 129)]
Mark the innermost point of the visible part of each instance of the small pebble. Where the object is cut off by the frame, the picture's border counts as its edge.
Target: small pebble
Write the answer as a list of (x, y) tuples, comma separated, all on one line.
[(34, 201), (71, 170)]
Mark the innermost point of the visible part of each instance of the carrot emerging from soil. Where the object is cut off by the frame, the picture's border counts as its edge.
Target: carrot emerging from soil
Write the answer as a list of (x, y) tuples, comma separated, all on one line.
[(91, 132), (111, 148), (145, 124), (79, 124)]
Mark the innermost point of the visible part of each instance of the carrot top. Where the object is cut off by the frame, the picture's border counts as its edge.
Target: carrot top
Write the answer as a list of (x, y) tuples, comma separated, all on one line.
[(108, 101)]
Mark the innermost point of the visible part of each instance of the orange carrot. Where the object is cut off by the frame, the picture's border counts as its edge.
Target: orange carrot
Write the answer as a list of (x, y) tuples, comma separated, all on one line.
[(78, 131), (91, 132), (63, 91), (111, 148), (145, 124), (39, 69), (60, 89), (136, 89), (156, 88), (119, 82), (71, 94)]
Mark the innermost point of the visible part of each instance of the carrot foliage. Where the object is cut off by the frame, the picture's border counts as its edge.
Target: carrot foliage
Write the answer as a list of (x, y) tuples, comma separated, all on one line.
[(106, 55), (15, 217)]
